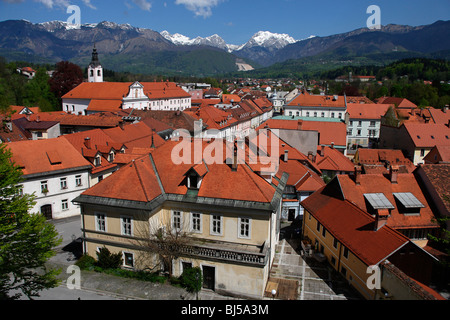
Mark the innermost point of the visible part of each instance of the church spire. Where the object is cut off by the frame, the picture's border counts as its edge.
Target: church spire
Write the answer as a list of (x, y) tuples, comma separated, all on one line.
[(95, 70), (95, 62)]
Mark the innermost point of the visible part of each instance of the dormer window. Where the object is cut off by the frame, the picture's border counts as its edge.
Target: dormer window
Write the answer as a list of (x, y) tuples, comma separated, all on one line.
[(111, 156), (97, 161), (192, 181), (194, 176)]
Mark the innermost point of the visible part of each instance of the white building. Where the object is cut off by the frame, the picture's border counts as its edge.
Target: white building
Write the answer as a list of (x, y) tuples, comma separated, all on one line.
[(92, 97), (317, 106), (363, 124), (54, 172)]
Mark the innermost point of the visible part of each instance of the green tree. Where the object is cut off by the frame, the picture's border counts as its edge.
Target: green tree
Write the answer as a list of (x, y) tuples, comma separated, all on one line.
[(27, 240), (38, 94)]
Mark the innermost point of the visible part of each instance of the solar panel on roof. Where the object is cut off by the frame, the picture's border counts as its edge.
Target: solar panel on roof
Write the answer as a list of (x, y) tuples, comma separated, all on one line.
[(378, 201), (408, 200)]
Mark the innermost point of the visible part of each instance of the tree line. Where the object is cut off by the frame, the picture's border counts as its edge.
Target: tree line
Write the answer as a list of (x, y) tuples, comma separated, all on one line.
[(43, 91)]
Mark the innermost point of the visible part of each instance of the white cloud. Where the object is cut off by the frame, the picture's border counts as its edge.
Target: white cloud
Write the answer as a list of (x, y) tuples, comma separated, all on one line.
[(143, 4), (54, 3), (201, 8), (88, 3)]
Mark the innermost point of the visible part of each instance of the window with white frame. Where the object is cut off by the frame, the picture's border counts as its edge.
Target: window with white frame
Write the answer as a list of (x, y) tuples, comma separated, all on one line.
[(196, 222), (44, 186), (65, 204), (244, 228), (176, 220), (126, 226), (100, 222), (216, 225), (78, 181), (63, 183)]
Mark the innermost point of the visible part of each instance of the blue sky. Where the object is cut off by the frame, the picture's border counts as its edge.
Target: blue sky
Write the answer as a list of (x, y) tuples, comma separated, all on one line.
[(234, 20)]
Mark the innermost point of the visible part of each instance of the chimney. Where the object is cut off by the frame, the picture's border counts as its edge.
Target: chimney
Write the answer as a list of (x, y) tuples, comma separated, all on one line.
[(358, 172), (332, 145), (87, 142), (445, 109), (286, 155), (299, 125), (393, 173), (322, 150), (381, 218), (234, 165)]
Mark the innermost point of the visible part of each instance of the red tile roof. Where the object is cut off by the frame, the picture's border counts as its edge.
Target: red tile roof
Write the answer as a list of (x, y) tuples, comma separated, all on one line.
[(306, 99), (401, 103), (138, 180), (105, 105), (353, 227), (379, 183), (213, 117), (333, 160), (45, 156), (330, 132), (135, 135), (118, 90), (428, 135), (367, 111)]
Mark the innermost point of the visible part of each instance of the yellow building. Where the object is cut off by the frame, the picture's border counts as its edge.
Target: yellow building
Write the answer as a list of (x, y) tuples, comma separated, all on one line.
[(222, 218), (358, 245)]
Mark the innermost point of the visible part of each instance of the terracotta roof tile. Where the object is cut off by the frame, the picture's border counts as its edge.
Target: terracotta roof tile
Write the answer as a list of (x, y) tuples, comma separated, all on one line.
[(354, 228), (33, 156), (367, 111), (379, 183), (428, 135)]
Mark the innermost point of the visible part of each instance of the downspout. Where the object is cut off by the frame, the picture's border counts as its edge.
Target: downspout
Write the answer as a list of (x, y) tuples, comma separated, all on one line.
[(83, 230)]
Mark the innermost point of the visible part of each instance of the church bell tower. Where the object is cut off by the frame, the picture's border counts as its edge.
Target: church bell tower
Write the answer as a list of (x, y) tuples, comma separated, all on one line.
[(95, 70)]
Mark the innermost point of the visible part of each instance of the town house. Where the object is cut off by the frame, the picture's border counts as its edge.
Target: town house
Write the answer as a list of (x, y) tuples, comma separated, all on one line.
[(55, 172), (313, 107), (91, 97), (354, 242), (228, 213)]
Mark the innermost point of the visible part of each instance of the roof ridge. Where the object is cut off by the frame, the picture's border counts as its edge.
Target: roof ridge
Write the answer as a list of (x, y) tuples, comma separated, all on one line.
[(140, 180), (247, 167)]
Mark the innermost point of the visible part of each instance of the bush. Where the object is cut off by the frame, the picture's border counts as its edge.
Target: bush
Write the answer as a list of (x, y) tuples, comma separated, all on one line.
[(108, 260), (191, 279), (85, 262)]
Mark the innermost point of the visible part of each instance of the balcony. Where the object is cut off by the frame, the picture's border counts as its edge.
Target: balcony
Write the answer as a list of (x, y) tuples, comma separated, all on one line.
[(228, 252)]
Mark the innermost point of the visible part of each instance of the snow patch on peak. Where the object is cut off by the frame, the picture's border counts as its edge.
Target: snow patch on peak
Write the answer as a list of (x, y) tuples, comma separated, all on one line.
[(268, 39)]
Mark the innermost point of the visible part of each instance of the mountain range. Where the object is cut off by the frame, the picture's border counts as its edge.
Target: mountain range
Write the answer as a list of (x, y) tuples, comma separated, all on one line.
[(123, 47)]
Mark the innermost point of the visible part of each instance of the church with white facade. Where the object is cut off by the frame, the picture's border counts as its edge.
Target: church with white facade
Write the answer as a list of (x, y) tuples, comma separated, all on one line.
[(96, 95)]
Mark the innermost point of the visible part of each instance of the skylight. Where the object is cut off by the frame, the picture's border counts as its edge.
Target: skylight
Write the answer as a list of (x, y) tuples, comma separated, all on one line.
[(378, 201), (408, 200)]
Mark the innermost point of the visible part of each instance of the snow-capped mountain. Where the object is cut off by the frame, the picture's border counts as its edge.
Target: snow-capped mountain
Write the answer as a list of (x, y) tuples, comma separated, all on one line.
[(266, 39), (56, 25), (270, 40), (212, 41)]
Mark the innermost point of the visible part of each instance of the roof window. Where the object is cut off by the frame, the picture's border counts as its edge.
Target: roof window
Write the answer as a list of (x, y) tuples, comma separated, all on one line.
[(408, 203)]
